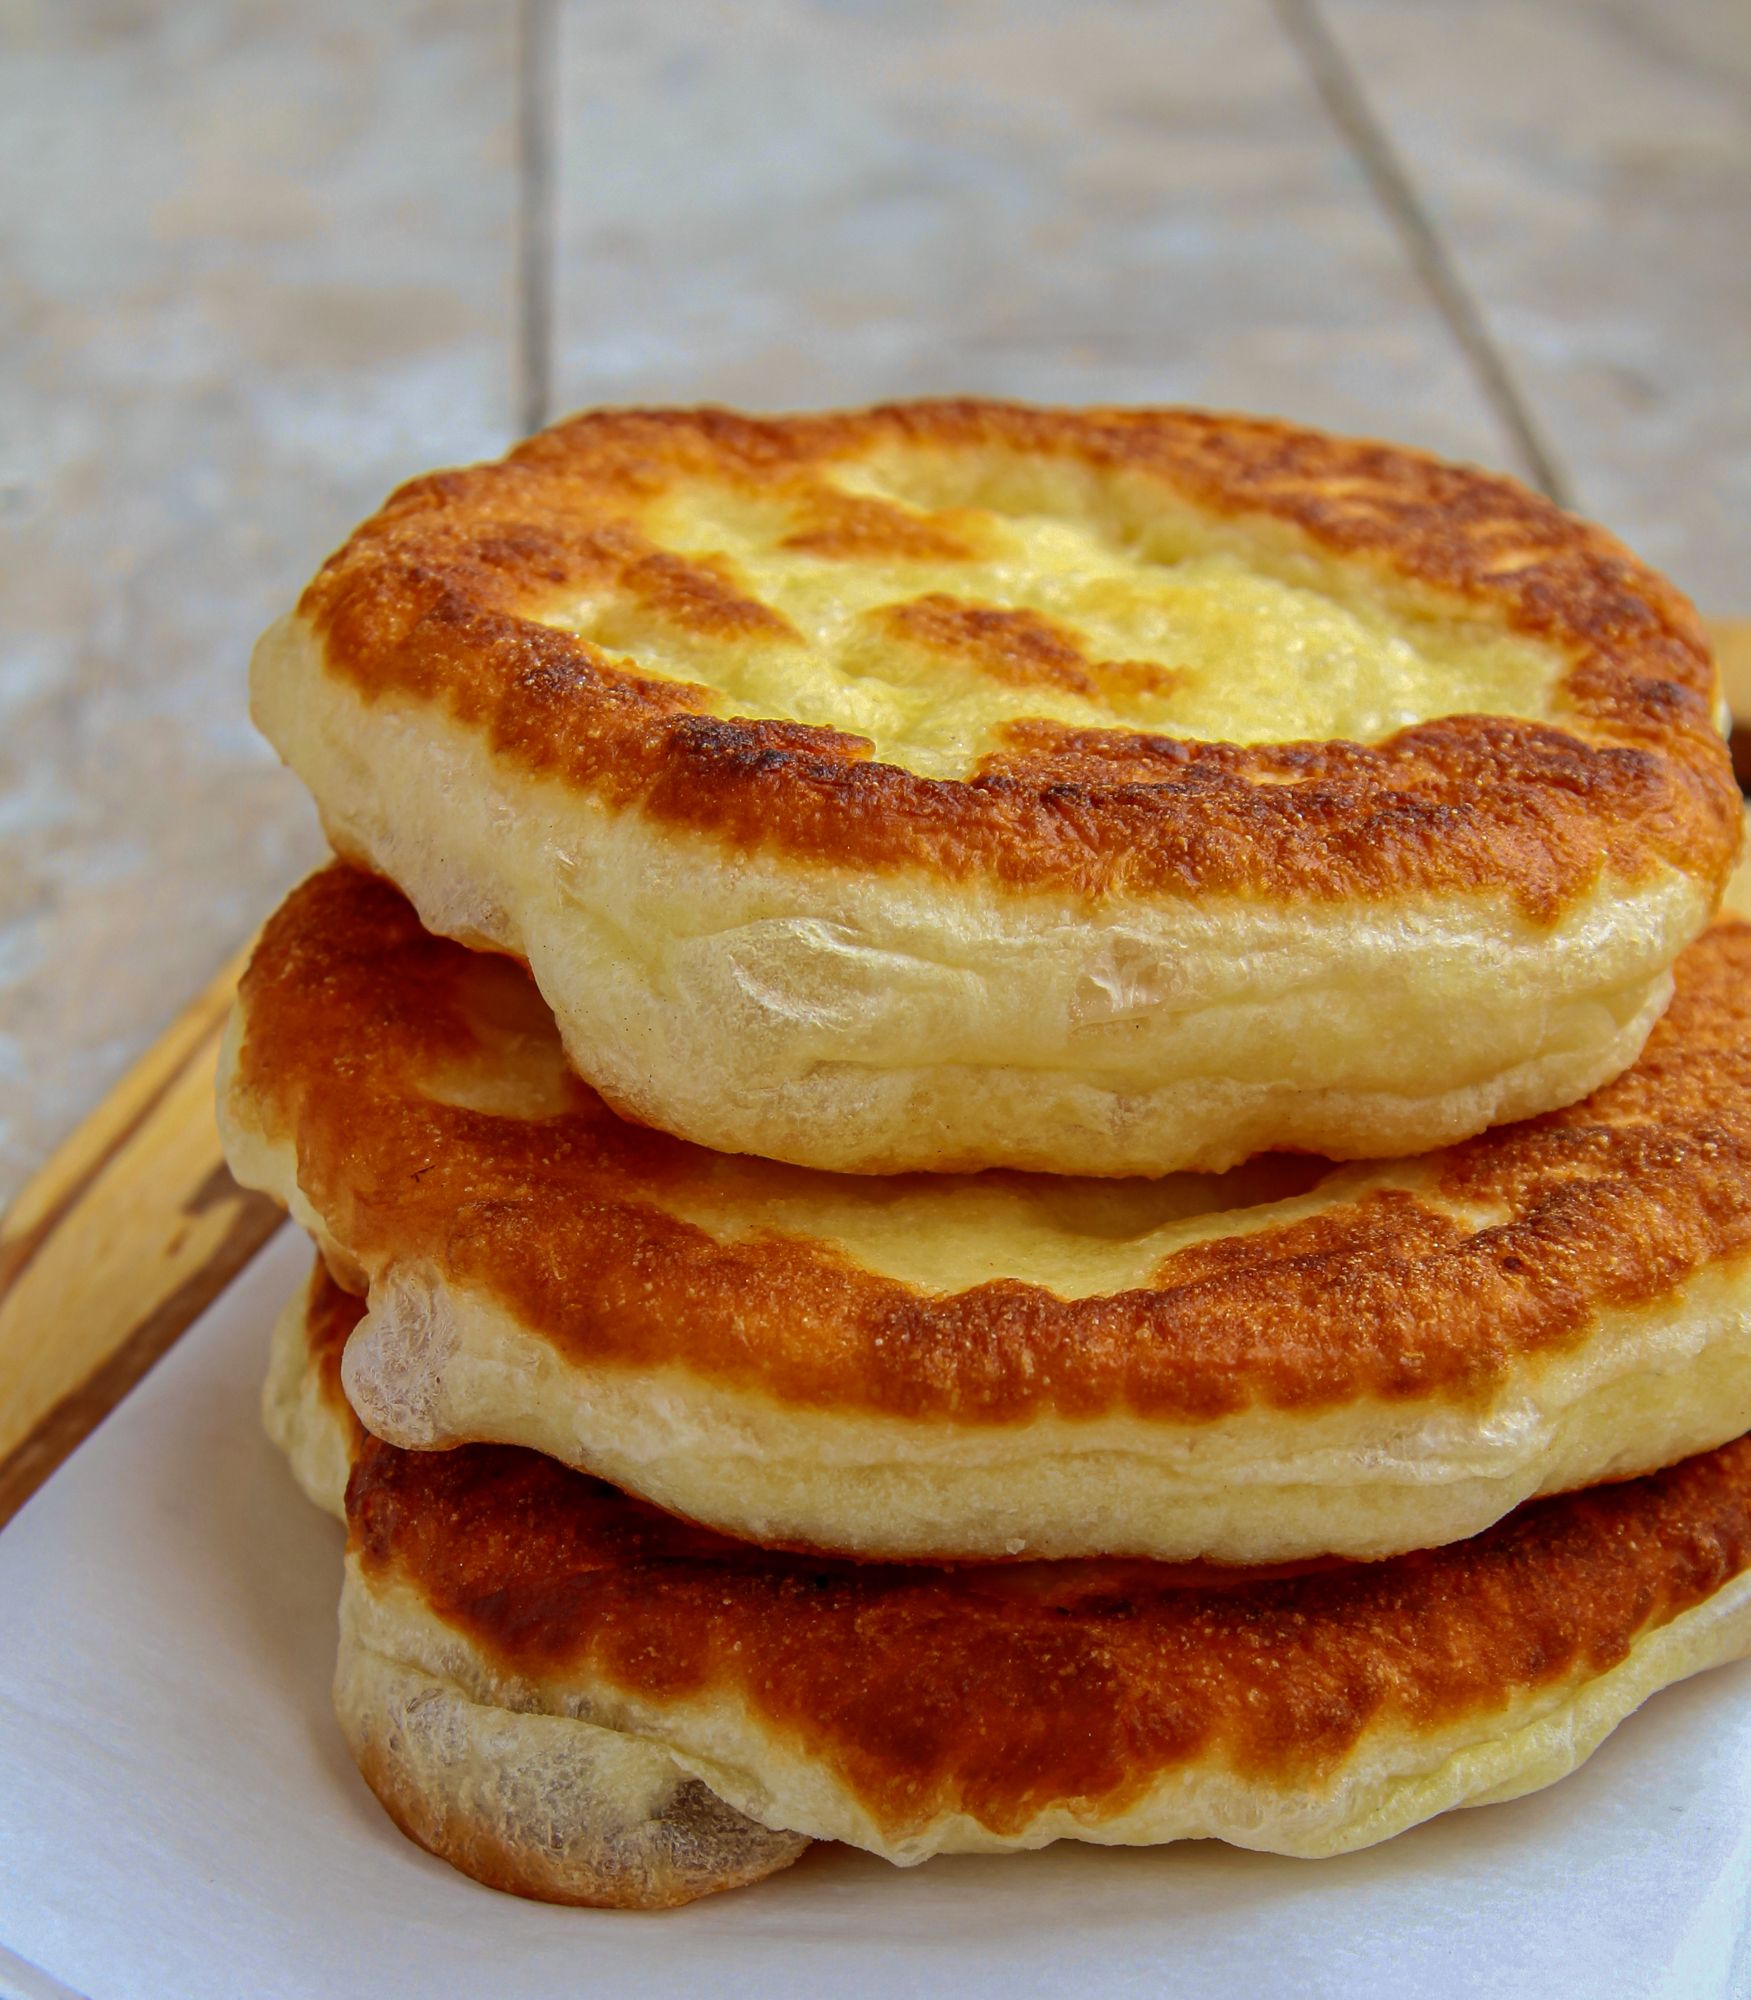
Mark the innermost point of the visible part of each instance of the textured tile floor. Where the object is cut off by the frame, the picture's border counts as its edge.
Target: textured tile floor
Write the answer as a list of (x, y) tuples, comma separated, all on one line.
[(260, 259)]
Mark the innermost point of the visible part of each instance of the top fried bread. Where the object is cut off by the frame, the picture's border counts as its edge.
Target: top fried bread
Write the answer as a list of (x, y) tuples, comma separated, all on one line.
[(1286, 1361), (957, 784)]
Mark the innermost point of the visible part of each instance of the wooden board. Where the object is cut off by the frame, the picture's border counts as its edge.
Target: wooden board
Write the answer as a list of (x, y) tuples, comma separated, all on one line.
[(128, 1233), (134, 1227)]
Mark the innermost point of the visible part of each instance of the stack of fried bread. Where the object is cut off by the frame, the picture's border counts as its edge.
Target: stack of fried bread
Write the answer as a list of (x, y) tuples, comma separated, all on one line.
[(1021, 1125)]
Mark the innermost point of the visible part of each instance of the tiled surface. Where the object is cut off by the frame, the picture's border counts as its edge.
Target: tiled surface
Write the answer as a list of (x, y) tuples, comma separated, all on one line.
[(1095, 202), (255, 267), (258, 261), (1589, 164)]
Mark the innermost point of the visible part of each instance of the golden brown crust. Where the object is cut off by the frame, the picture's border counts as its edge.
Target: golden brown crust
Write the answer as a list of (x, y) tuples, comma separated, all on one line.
[(349, 1006), (434, 600), (1000, 1690), (1018, 648)]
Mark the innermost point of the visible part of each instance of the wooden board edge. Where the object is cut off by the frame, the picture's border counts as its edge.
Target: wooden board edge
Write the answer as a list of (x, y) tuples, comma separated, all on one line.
[(55, 1188), (67, 1423), (1731, 639), (141, 1192)]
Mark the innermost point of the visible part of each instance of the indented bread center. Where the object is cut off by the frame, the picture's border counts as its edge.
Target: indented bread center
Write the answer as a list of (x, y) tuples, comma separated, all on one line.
[(930, 615)]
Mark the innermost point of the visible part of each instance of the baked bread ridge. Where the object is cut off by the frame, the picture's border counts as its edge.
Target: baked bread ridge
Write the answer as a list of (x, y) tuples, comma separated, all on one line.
[(304, 1409), (545, 1806), (552, 1808), (1118, 1703), (1386, 1358), (1106, 951)]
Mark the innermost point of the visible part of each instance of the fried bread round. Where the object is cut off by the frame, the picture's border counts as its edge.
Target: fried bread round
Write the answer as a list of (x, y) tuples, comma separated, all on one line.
[(1292, 1359), (956, 785), (542, 1805), (913, 1710)]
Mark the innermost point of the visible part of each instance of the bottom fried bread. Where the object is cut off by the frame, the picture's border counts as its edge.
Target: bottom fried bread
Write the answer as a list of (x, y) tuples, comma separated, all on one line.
[(512, 1628)]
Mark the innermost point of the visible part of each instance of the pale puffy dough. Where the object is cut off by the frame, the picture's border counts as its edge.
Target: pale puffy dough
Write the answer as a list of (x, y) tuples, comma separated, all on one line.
[(972, 1008), (471, 1756)]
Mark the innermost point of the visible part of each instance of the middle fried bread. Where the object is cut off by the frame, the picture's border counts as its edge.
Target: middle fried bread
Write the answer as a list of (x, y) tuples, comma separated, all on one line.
[(1288, 1360)]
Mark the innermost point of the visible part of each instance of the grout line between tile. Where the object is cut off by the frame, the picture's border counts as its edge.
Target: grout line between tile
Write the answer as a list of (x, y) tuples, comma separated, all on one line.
[(1346, 103), (537, 209)]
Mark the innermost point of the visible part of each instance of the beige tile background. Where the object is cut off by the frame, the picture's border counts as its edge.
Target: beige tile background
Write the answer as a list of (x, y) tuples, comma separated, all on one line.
[(260, 259)]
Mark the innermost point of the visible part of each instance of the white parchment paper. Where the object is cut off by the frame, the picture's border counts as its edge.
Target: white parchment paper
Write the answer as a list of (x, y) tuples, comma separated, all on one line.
[(179, 1819)]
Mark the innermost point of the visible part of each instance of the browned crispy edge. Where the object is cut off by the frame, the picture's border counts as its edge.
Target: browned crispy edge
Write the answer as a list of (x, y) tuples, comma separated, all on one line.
[(432, 600), (1614, 1202)]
